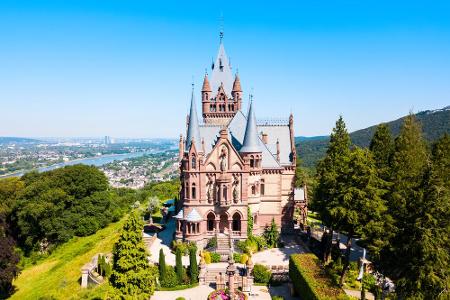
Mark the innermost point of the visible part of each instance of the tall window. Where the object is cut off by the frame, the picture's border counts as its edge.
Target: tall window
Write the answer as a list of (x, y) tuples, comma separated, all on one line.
[(193, 163), (262, 191), (252, 162), (193, 194), (224, 193), (253, 189)]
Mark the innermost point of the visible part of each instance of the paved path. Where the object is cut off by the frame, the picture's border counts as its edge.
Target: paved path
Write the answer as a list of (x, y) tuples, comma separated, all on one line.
[(163, 242), (278, 256), (202, 292)]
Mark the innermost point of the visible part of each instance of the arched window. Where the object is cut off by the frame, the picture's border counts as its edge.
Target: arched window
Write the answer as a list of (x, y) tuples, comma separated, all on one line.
[(262, 190), (193, 162), (253, 189), (252, 162), (193, 193)]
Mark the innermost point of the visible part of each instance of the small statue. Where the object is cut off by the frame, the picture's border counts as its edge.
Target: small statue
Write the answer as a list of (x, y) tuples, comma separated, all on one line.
[(235, 193), (223, 163)]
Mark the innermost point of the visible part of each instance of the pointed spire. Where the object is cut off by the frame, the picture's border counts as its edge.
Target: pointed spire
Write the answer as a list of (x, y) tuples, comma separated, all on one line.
[(251, 139), (237, 84), (193, 132), (206, 87)]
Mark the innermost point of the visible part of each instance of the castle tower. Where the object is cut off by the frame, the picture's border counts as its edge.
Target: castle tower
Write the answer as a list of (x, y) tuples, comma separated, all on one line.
[(222, 96), (193, 131)]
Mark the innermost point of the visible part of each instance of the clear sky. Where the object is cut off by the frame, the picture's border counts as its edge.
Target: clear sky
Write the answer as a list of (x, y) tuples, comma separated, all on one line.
[(124, 68)]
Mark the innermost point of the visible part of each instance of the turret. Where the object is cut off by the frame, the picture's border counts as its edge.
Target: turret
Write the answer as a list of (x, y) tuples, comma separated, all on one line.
[(206, 95), (237, 92), (251, 147)]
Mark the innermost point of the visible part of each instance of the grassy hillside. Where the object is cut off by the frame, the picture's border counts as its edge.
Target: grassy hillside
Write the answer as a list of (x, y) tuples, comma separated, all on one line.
[(58, 276), (434, 124)]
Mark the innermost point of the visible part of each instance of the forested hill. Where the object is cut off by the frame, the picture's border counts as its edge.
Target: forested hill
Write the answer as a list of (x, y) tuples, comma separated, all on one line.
[(434, 124), (16, 140)]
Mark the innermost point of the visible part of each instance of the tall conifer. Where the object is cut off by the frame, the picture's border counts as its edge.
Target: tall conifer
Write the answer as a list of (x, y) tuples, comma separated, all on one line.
[(131, 274), (179, 265), (162, 265), (382, 147), (193, 268), (329, 176), (408, 167)]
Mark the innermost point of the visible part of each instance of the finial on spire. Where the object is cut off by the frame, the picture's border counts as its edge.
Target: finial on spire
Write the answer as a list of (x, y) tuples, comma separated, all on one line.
[(221, 27)]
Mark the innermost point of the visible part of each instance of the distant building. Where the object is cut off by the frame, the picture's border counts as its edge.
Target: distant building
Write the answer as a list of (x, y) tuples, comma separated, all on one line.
[(232, 162), (107, 140)]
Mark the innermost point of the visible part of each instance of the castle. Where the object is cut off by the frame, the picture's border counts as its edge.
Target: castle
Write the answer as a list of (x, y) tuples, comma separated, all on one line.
[(233, 165)]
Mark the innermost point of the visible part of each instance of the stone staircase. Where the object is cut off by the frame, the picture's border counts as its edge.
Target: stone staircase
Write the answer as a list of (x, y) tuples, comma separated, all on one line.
[(223, 246)]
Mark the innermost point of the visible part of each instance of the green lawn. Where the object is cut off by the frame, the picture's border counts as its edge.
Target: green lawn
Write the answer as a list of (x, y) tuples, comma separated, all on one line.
[(58, 276)]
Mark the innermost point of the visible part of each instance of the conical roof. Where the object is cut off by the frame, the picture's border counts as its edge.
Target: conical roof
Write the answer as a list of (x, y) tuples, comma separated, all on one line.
[(237, 84), (193, 132), (251, 139), (206, 87)]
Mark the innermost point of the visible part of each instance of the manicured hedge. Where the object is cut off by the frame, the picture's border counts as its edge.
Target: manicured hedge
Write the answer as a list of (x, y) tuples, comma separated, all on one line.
[(310, 280)]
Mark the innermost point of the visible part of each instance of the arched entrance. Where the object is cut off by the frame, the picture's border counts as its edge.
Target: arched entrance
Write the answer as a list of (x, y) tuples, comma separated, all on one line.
[(236, 222), (211, 222), (223, 224)]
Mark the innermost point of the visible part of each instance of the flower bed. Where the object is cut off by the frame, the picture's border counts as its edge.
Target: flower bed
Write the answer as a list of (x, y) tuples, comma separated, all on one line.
[(224, 295)]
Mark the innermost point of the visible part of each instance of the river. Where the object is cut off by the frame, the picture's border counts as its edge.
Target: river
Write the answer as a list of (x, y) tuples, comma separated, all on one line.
[(91, 161)]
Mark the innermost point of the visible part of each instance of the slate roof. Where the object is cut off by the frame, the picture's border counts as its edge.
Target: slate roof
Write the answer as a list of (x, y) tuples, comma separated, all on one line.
[(193, 129), (236, 130), (179, 214), (221, 72), (250, 143)]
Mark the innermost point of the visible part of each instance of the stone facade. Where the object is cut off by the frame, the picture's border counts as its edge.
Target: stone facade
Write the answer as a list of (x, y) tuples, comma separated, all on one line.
[(231, 162)]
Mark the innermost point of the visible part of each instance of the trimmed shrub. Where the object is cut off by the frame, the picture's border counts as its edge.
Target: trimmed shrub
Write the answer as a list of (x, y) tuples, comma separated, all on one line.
[(311, 280), (179, 266), (207, 257), (180, 298), (244, 259), (277, 298), (215, 257), (170, 279), (212, 243), (237, 257), (261, 273), (180, 245), (193, 266)]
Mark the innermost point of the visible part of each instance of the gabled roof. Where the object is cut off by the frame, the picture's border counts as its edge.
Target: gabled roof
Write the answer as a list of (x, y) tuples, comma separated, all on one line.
[(221, 72), (179, 215), (236, 132), (193, 132)]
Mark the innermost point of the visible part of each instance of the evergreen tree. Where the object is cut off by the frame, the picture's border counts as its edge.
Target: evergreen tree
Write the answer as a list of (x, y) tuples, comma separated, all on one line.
[(249, 222), (132, 275), (408, 167), (358, 205), (330, 172), (382, 147), (162, 266), (427, 274), (193, 268), (272, 235), (179, 265)]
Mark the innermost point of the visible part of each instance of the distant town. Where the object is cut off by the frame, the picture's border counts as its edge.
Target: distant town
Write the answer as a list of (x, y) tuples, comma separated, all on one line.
[(126, 162)]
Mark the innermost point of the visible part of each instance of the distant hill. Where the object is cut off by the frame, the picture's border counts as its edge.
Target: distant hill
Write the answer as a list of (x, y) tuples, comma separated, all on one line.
[(17, 140), (434, 124)]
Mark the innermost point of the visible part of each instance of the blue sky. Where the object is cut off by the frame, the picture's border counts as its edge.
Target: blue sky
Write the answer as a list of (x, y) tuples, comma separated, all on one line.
[(124, 68)]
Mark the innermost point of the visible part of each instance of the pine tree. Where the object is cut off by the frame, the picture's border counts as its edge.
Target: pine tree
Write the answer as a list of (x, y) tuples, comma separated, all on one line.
[(162, 266), (132, 275), (427, 275), (193, 268), (408, 167), (249, 222), (382, 147), (329, 176), (358, 205), (179, 265)]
